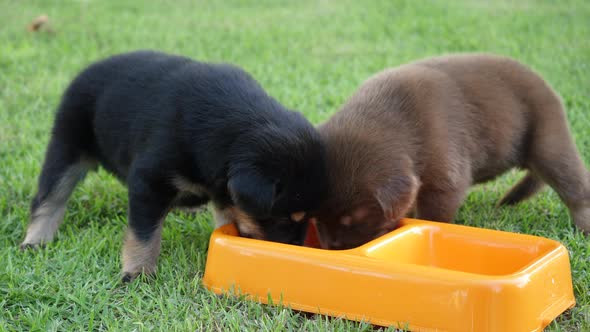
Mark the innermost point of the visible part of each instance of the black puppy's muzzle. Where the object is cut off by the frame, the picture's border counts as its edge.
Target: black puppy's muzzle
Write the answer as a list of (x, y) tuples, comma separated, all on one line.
[(285, 231)]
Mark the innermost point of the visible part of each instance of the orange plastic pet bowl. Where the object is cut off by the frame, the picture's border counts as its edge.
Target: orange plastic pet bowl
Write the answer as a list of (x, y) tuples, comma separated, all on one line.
[(424, 276)]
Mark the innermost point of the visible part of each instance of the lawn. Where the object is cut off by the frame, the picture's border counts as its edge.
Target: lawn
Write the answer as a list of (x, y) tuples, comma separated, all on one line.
[(310, 55)]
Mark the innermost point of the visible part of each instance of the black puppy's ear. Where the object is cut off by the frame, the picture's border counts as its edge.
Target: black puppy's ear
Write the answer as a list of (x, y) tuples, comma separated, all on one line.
[(252, 192), (397, 196)]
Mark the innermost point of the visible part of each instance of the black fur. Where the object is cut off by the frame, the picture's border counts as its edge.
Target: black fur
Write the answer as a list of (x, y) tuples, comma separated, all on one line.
[(149, 117)]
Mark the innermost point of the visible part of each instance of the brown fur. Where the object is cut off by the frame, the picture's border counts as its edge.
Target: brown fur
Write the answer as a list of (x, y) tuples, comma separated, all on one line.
[(416, 137)]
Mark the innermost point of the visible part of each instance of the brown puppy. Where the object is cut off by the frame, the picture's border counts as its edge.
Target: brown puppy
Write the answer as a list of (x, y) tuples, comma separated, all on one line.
[(417, 136)]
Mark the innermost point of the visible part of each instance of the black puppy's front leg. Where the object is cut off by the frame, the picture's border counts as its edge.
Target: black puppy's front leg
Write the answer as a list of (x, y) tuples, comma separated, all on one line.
[(149, 202)]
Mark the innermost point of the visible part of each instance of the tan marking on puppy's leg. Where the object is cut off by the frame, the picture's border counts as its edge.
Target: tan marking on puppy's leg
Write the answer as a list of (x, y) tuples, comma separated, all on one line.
[(44, 223), (141, 256), (47, 217), (221, 217)]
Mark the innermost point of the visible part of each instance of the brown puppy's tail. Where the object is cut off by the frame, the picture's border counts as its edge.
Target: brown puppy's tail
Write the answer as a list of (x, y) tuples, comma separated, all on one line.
[(524, 189)]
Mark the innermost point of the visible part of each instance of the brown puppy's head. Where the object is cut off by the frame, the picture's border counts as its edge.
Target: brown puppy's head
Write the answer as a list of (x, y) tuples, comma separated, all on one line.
[(353, 218), (371, 183)]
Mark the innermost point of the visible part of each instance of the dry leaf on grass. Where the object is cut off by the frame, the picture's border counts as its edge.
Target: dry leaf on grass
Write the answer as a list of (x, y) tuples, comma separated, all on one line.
[(40, 23)]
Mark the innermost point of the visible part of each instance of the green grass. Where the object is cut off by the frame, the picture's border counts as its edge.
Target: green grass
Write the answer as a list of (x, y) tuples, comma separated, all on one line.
[(309, 55)]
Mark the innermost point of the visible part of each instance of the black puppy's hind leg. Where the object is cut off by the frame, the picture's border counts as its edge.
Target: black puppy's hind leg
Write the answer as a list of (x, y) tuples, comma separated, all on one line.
[(65, 165), (150, 199)]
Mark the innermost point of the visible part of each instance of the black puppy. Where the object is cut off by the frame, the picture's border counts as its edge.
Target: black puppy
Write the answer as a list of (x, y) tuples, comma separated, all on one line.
[(180, 133)]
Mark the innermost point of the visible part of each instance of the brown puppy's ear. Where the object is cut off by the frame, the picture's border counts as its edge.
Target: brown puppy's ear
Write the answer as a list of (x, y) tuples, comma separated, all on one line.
[(397, 196)]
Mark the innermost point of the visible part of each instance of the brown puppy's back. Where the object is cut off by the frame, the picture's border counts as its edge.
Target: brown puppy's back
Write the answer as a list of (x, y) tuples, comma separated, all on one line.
[(419, 135)]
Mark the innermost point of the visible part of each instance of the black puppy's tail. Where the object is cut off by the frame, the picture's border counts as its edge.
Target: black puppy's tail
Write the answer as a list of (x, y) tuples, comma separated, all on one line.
[(527, 187)]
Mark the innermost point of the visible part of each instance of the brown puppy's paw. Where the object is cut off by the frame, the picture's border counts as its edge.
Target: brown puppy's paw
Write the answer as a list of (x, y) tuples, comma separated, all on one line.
[(581, 218), (31, 246), (130, 274), (128, 277)]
